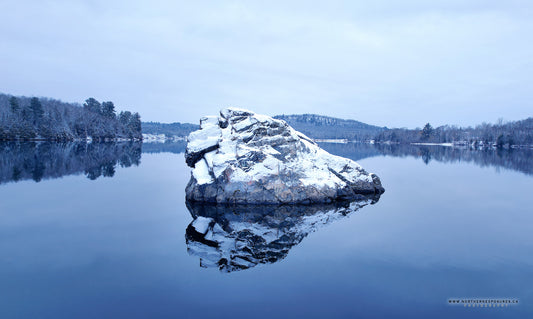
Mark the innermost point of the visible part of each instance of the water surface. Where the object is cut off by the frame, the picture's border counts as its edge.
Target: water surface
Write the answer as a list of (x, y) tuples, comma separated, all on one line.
[(101, 232)]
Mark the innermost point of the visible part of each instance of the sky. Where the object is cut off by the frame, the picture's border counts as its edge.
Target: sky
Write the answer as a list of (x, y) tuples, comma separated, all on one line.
[(388, 63)]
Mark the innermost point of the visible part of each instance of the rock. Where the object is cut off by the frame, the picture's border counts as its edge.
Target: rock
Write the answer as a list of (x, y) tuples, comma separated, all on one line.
[(238, 237), (246, 158)]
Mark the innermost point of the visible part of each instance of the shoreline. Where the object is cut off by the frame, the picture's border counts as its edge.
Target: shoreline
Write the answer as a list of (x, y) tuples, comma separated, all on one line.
[(159, 139), (88, 140)]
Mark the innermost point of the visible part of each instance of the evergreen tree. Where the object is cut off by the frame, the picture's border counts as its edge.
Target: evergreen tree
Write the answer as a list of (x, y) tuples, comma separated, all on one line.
[(427, 131), (26, 114), (135, 123), (36, 109), (14, 103), (108, 110), (92, 105), (124, 117)]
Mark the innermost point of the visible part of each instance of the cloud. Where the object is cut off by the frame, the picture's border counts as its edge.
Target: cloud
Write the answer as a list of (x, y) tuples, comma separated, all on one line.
[(385, 62)]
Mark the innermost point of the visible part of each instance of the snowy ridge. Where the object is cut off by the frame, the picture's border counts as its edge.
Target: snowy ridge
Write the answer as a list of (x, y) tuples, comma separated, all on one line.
[(243, 157)]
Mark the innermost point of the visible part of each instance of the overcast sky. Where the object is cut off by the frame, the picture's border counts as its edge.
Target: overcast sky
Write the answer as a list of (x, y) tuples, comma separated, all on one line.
[(390, 63)]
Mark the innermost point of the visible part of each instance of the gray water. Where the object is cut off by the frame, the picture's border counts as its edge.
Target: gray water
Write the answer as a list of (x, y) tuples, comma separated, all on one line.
[(101, 231)]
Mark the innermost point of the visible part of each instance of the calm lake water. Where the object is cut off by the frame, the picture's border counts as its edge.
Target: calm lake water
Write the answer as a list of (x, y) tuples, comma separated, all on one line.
[(103, 231)]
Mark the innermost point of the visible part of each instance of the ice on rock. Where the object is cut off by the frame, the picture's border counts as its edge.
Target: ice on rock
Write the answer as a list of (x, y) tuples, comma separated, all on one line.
[(247, 158)]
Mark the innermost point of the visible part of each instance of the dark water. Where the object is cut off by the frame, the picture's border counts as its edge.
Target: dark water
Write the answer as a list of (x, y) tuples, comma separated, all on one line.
[(103, 231)]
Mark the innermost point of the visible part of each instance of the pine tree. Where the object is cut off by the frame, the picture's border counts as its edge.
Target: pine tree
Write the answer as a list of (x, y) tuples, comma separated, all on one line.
[(37, 109), (92, 105), (427, 131), (124, 117), (135, 125), (108, 110), (14, 103)]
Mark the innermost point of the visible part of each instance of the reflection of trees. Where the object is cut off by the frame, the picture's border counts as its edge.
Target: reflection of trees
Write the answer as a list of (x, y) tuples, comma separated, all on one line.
[(425, 153), (514, 159), (44, 160), (237, 237)]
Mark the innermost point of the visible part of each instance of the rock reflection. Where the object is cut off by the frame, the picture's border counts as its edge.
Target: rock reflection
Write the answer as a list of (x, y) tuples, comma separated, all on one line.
[(237, 237)]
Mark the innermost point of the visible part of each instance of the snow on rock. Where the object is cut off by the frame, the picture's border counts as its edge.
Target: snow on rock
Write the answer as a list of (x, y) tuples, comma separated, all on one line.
[(201, 224), (247, 158), (237, 237)]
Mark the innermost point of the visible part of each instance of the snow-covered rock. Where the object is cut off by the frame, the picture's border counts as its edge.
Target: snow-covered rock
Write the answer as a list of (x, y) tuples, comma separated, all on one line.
[(246, 158), (237, 237)]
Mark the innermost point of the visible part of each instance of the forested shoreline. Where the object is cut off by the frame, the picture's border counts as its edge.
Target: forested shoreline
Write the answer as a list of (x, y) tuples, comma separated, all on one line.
[(500, 135), (32, 118)]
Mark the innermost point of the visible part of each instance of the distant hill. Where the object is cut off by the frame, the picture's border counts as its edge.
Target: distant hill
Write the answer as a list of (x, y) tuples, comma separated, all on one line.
[(169, 129), (325, 127), (312, 125)]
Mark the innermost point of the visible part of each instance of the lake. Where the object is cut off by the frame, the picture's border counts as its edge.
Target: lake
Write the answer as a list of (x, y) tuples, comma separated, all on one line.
[(103, 231)]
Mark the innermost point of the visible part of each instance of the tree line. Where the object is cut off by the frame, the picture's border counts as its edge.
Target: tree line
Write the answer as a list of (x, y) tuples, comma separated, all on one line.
[(501, 135), (25, 118)]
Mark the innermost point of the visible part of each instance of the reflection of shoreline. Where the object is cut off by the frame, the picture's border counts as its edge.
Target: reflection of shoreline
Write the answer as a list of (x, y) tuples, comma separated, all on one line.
[(516, 159), (48, 160), (237, 237)]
